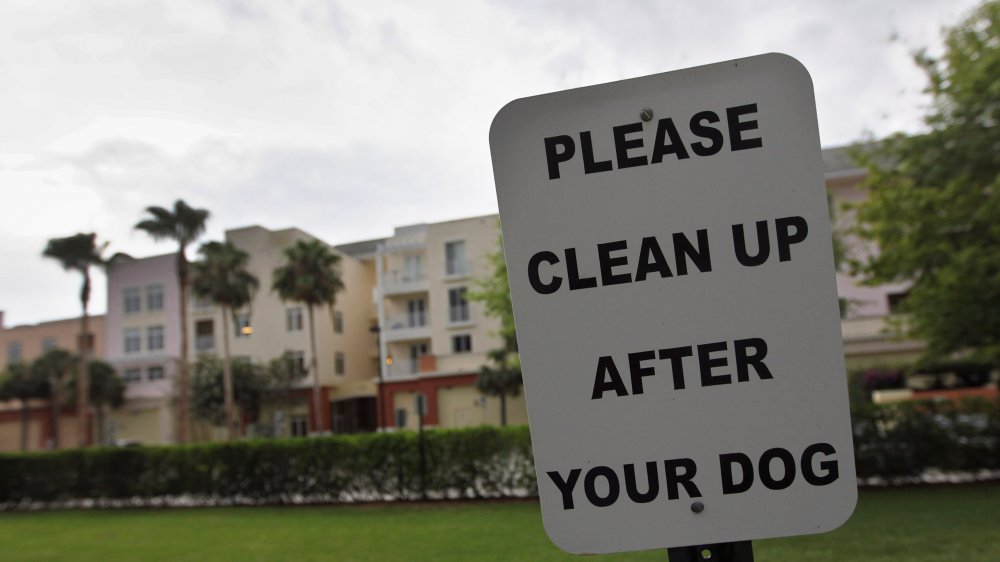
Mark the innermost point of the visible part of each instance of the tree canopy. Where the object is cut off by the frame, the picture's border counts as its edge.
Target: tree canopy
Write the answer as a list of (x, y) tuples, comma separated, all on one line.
[(501, 376), (309, 275), (222, 277), (207, 399), (934, 205), (184, 224)]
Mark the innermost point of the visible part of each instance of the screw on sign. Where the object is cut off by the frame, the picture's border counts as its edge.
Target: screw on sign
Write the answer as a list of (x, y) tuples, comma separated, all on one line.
[(671, 269)]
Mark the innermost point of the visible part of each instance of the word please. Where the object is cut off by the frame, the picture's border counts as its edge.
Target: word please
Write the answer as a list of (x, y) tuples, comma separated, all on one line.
[(630, 152)]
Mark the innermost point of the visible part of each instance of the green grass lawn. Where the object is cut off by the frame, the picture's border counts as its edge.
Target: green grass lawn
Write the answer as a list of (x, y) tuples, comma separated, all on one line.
[(912, 525)]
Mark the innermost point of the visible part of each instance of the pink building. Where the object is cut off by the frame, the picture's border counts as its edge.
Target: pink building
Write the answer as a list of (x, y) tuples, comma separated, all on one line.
[(143, 344)]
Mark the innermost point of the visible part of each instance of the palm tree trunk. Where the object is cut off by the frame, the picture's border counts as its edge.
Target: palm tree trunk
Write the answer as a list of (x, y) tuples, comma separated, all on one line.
[(24, 424), (54, 400), (83, 382), (314, 365), (183, 398), (99, 414), (227, 378)]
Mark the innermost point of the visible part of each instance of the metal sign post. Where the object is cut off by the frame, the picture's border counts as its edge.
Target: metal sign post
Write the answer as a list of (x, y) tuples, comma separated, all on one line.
[(421, 407), (741, 551)]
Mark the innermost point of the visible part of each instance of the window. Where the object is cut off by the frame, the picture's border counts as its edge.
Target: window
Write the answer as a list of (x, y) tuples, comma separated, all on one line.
[(461, 343), (133, 374), (299, 426), (204, 335), (896, 301), (458, 306), (154, 373), (133, 300), (48, 344), (154, 338), (338, 363), (202, 303), (293, 319), (242, 326), (416, 313), (298, 359), (13, 352), (133, 340), (338, 322), (417, 351), (413, 267), (154, 297), (454, 258)]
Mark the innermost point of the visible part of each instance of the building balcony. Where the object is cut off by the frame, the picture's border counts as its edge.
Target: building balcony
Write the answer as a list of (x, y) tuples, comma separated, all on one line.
[(408, 368), (405, 328), (435, 365), (402, 283)]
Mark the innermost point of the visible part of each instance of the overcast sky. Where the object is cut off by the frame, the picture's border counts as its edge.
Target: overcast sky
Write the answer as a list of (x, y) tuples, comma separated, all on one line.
[(346, 119)]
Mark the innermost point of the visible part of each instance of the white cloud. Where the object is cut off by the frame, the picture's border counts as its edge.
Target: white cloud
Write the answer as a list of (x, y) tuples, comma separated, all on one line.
[(347, 118)]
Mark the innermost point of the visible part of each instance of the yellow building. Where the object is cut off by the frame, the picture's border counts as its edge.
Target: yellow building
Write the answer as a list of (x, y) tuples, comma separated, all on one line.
[(24, 344), (346, 354), (432, 338)]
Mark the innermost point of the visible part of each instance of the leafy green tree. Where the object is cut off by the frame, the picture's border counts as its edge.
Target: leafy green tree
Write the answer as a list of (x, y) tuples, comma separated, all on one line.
[(283, 375), (222, 276), (107, 390), (500, 377), (310, 275), (55, 367), (934, 207), (184, 224), (79, 253), (23, 384), (207, 396)]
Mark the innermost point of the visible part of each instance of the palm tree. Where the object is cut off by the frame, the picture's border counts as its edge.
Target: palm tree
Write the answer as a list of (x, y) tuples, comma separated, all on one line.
[(310, 275), (54, 367), (21, 383), (79, 253), (184, 225), (222, 276), (106, 389)]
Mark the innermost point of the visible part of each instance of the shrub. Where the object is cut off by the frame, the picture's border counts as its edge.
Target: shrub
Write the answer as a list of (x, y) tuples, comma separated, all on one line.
[(477, 462), (895, 442)]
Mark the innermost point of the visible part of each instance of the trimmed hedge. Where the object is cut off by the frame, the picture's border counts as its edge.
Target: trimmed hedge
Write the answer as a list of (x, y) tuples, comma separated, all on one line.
[(896, 443), (899, 442), (461, 463)]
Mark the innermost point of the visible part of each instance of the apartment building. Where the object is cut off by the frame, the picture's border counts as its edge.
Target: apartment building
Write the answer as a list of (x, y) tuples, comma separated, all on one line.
[(403, 327), (144, 344), (867, 338), (268, 328), (26, 343), (432, 338)]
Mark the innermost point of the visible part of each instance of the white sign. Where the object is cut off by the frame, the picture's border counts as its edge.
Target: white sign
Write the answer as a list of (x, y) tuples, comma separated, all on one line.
[(671, 267)]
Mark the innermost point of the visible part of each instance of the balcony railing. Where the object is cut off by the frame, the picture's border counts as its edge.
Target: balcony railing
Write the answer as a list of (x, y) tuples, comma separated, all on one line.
[(399, 328), (400, 282), (410, 367)]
